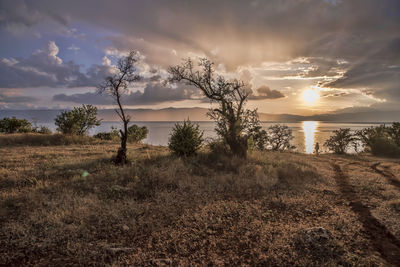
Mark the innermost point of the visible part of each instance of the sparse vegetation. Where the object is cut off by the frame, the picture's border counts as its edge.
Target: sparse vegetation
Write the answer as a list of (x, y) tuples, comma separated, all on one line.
[(70, 205), (34, 139), (185, 139), (77, 121)]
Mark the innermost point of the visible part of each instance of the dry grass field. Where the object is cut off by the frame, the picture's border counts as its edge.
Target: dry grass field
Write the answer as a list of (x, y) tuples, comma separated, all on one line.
[(69, 205)]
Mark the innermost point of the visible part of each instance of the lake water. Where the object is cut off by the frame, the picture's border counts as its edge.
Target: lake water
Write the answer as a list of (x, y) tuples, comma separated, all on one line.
[(305, 133)]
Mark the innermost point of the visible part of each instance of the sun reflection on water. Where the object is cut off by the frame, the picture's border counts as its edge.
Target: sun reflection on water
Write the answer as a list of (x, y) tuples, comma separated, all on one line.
[(309, 129)]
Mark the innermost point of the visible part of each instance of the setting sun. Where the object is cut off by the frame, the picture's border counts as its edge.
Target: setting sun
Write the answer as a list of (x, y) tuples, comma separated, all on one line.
[(310, 96)]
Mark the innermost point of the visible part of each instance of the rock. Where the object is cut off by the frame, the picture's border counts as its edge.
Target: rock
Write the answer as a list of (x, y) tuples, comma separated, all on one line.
[(328, 192), (308, 212), (319, 243), (160, 262), (125, 227), (317, 235), (119, 250)]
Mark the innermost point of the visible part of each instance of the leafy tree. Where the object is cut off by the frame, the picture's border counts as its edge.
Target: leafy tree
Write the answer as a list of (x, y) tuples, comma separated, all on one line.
[(257, 137), (14, 125), (137, 134), (340, 141), (279, 137), (230, 96), (77, 121), (185, 139), (381, 140), (367, 135), (116, 85)]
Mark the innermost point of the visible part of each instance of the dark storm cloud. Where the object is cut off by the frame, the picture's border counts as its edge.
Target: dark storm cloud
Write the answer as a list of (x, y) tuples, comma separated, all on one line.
[(18, 15), (264, 92), (363, 33), (153, 93), (311, 27), (379, 72)]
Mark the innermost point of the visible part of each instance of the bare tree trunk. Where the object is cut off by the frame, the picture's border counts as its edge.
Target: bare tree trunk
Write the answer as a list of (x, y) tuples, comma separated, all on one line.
[(121, 155), (238, 146)]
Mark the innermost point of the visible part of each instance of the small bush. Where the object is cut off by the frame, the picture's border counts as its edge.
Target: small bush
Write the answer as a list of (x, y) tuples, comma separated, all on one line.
[(136, 134), (113, 135), (14, 125), (185, 139), (340, 141), (43, 130), (381, 146)]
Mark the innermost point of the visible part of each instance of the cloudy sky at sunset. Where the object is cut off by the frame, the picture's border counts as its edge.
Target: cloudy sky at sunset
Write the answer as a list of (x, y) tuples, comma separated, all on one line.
[(298, 56)]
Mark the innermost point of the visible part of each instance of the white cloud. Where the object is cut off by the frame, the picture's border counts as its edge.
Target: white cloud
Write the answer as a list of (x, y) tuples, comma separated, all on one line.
[(74, 48)]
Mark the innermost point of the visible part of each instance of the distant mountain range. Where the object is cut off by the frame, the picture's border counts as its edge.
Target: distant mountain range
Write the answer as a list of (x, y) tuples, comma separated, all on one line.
[(199, 114)]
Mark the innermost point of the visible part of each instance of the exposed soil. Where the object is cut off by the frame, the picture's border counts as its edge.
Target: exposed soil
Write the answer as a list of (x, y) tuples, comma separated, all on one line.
[(386, 173)]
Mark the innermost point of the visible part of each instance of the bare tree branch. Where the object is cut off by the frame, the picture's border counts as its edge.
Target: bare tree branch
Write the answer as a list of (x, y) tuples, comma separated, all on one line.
[(116, 86)]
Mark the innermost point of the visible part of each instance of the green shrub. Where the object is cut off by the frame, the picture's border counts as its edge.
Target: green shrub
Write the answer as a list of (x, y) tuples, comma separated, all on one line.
[(113, 135), (14, 125), (185, 139), (137, 134), (77, 121), (340, 141), (43, 130)]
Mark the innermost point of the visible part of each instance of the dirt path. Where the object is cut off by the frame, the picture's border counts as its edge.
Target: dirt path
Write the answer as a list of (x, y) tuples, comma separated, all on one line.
[(391, 178), (383, 241), (386, 173)]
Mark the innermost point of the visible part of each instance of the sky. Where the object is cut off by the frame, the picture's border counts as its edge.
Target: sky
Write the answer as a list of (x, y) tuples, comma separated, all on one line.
[(299, 57)]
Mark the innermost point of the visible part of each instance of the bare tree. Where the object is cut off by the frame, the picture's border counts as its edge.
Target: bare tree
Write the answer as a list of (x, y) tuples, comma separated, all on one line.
[(116, 85), (231, 95)]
